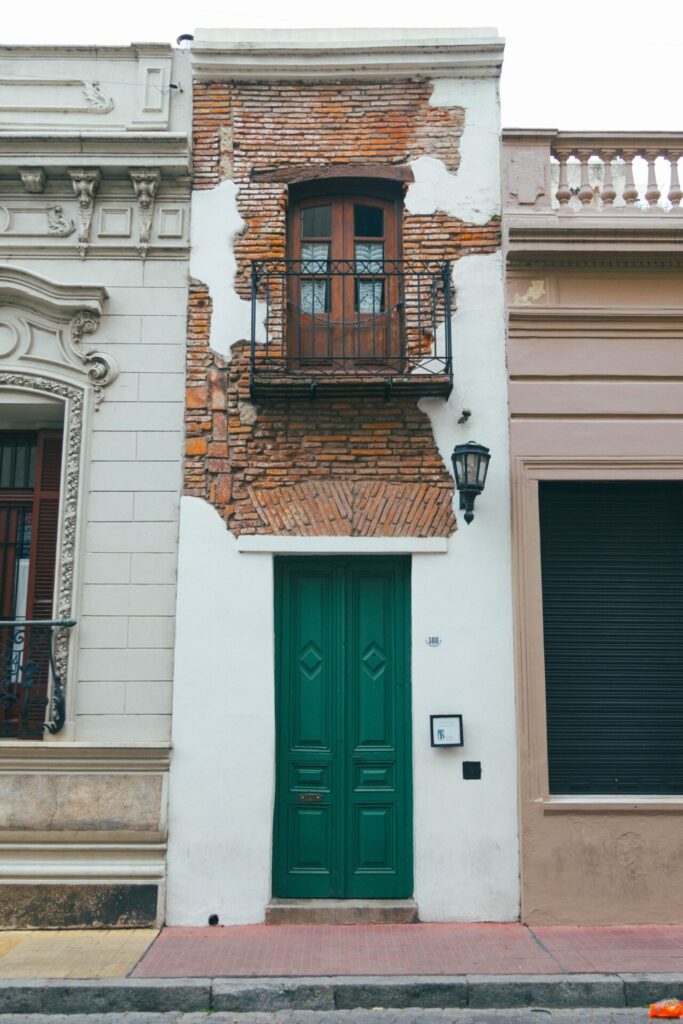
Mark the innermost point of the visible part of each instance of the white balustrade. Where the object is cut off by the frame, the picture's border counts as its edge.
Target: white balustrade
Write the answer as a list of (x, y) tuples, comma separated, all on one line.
[(632, 171)]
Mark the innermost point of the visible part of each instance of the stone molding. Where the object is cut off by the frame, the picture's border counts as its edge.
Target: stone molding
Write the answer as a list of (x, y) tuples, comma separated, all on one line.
[(81, 305), (45, 756), (219, 55), (50, 296), (107, 151), (621, 239)]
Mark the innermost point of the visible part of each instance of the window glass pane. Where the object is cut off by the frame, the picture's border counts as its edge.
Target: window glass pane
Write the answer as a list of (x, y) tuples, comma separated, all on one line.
[(314, 296), (17, 461), (369, 257), (369, 296), (316, 222), (368, 221), (314, 257)]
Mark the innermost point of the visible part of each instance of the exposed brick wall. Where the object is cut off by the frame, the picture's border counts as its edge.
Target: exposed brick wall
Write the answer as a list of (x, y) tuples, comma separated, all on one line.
[(437, 236), (266, 125), (210, 112), (362, 467), (356, 468)]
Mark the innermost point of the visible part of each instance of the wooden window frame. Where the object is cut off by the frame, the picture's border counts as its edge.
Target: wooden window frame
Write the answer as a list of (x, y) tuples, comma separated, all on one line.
[(340, 328)]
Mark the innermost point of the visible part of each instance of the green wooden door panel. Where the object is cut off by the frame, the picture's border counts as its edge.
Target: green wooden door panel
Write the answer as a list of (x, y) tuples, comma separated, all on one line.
[(305, 858), (343, 808), (378, 722)]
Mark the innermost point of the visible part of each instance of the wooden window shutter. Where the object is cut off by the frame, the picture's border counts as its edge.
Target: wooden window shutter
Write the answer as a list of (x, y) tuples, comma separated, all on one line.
[(45, 526)]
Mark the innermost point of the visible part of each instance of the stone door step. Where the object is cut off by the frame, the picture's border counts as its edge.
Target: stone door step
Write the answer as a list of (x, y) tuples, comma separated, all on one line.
[(281, 911)]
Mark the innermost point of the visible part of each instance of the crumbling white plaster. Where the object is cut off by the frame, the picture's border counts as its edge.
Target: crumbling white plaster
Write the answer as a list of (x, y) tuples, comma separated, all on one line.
[(472, 193), (215, 224)]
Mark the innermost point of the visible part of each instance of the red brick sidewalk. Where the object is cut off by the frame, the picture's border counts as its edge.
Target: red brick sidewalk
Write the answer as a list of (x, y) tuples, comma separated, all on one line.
[(318, 950)]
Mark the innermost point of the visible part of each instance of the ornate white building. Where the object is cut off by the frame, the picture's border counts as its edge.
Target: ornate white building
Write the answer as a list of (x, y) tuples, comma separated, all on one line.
[(94, 227)]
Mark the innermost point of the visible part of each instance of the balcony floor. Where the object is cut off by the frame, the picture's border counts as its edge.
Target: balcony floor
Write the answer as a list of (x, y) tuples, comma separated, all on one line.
[(285, 386)]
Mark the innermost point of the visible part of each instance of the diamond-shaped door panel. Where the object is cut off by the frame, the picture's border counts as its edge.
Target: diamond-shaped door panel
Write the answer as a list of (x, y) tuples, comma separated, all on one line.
[(374, 660), (310, 659)]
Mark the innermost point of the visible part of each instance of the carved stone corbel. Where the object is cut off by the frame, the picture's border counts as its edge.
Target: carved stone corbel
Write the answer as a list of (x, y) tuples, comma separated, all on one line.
[(85, 186), (101, 368), (33, 178), (145, 184)]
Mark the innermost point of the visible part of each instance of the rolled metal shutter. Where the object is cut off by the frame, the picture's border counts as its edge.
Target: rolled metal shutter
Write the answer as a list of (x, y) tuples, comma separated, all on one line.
[(612, 570)]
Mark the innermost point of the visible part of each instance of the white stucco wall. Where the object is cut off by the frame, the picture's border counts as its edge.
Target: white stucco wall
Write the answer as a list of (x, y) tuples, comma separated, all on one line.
[(223, 769)]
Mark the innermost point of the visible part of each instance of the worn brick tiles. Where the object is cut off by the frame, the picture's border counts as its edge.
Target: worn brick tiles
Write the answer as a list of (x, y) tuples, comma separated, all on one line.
[(438, 949)]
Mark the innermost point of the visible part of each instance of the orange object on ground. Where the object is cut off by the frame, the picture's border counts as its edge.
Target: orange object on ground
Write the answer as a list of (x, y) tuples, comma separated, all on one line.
[(667, 1008)]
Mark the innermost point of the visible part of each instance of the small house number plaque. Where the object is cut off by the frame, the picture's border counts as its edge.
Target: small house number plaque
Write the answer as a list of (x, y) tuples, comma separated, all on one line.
[(446, 730)]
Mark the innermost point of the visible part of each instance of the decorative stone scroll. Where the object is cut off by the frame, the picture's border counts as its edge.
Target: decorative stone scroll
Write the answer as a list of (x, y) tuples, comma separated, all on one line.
[(95, 99), (100, 367), (57, 224), (145, 184), (85, 185)]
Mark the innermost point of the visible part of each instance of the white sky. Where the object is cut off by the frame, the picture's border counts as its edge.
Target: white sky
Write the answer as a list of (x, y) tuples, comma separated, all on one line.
[(582, 65)]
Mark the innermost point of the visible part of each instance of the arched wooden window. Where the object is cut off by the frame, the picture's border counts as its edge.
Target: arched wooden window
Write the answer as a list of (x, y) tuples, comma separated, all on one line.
[(344, 295)]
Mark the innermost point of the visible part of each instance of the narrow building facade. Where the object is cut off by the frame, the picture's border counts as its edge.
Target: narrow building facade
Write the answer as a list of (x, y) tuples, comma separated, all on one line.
[(343, 718)]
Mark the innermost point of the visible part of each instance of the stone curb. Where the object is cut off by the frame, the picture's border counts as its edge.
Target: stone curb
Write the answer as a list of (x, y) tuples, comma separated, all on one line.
[(115, 995), (243, 995)]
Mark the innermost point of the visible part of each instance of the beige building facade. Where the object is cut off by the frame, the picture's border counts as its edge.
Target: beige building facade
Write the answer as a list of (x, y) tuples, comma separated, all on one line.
[(595, 355)]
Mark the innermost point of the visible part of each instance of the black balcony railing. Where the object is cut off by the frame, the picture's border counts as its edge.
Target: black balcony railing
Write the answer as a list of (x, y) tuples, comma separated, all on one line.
[(339, 326), (31, 682)]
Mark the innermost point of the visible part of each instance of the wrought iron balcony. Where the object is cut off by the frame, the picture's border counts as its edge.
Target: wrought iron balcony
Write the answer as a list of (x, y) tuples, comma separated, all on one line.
[(31, 676), (348, 326)]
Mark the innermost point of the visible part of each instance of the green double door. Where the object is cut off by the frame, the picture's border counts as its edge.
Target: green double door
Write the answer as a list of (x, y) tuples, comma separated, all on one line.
[(343, 808)]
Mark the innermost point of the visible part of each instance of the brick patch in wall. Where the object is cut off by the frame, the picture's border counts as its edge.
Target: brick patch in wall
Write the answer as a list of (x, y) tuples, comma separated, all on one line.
[(363, 468), (244, 127), (356, 508), (354, 468)]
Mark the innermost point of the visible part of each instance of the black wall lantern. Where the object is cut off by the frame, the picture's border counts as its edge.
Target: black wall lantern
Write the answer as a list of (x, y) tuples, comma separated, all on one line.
[(470, 465)]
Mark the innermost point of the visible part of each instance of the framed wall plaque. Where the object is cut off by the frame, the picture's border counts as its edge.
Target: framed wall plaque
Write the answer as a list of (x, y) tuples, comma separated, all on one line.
[(446, 730)]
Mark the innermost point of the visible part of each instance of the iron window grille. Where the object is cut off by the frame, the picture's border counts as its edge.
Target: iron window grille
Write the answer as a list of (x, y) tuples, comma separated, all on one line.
[(345, 325)]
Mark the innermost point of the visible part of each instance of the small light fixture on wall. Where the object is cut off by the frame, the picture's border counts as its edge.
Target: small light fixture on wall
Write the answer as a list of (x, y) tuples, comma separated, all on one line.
[(470, 465)]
